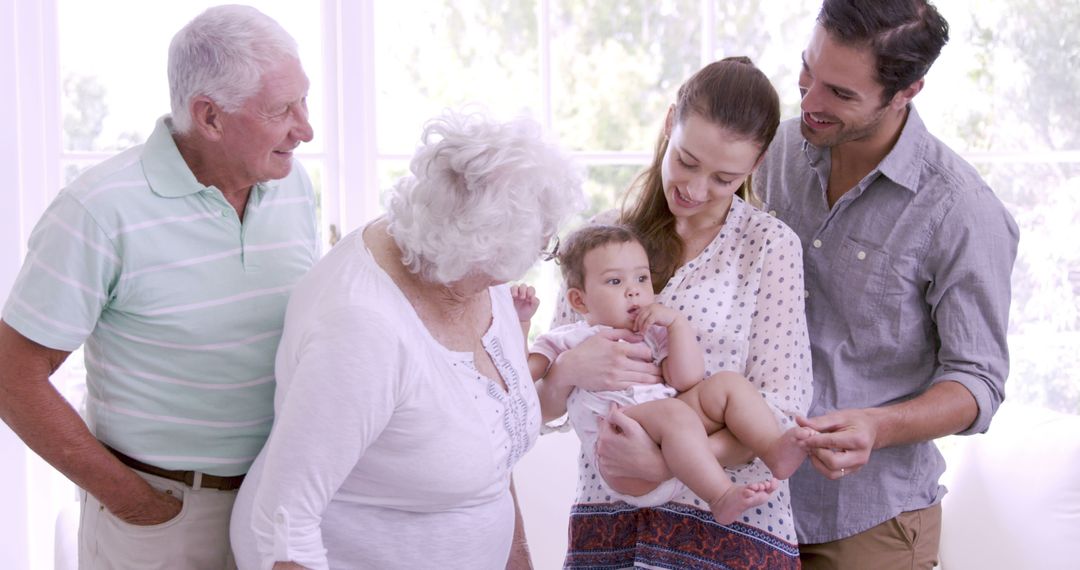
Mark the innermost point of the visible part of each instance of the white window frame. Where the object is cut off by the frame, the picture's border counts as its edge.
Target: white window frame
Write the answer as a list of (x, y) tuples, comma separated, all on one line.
[(30, 144)]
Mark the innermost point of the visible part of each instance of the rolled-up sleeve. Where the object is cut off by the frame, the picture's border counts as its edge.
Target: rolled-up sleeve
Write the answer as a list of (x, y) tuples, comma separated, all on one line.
[(971, 263)]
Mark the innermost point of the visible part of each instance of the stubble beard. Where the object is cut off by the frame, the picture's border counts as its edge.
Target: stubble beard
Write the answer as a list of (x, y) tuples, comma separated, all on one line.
[(845, 133)]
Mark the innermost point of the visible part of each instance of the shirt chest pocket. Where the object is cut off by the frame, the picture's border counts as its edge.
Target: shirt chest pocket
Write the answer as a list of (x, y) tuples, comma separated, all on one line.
[(862, 274)]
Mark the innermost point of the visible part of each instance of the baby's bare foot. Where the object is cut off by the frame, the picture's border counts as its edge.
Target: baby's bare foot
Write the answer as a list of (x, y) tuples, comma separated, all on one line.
[(738, 498), (786, 455)]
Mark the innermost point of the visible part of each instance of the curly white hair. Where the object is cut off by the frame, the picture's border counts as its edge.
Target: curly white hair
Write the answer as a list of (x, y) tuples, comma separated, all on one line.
[(483, 197)]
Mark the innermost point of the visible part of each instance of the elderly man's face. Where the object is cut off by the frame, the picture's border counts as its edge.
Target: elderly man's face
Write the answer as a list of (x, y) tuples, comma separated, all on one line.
[(270, 125)]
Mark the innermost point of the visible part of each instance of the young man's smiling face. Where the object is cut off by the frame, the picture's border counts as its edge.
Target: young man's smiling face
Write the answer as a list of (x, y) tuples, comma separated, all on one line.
[(841, 97)]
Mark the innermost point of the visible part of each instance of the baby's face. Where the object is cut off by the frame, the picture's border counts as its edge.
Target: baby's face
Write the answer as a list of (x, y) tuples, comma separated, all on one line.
[(617, 284)]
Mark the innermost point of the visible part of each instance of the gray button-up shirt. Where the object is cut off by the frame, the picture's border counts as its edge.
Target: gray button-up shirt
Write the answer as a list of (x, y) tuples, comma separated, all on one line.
[(907, 284)]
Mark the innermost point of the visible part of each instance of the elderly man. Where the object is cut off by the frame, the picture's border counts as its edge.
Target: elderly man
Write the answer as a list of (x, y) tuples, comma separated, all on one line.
[(908, 255), (172, 262)]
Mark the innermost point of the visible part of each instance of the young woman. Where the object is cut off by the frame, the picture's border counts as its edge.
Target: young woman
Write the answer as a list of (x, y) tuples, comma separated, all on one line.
[(736, 272)]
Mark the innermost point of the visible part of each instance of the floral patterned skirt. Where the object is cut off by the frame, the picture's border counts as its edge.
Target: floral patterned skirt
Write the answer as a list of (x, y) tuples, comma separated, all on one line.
[(671, 536)]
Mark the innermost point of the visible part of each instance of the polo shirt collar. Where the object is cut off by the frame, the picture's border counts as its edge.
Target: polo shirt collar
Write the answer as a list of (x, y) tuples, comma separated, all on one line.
[(168, 173)]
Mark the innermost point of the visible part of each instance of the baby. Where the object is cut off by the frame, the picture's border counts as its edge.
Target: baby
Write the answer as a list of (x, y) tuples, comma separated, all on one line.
[(609, 283)]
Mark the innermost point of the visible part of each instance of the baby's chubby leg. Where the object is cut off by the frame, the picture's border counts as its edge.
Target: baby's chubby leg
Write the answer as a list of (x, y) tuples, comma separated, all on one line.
[(683, 440), (727, 399), (630, 453), (685, 445)]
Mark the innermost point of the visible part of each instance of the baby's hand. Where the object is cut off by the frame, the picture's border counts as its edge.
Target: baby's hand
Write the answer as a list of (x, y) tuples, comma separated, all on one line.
[(655, 314), (525, 301)]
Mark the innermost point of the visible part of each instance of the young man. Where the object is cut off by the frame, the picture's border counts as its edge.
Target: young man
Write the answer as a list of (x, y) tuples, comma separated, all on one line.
[(907, 258), (172, 262)]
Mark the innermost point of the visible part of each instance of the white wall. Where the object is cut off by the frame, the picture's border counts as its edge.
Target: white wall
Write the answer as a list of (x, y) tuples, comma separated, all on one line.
[(26, 138), (13, 503), (546, 479)]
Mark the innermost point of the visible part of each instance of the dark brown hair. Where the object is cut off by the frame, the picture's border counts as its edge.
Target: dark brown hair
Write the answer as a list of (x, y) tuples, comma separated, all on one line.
[(579, 243), (731, 93), (905, 36)]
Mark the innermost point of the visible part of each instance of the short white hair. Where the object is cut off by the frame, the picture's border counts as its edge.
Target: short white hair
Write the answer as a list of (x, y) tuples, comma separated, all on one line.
[(223, 54), (483, 197)]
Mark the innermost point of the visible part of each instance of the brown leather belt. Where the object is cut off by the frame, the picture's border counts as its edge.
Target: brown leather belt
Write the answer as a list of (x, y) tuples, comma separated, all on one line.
[(185, 477)]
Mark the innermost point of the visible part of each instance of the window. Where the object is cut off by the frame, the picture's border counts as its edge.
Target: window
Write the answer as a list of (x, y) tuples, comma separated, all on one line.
[(114, 85), (1003, 96), (599, 74)]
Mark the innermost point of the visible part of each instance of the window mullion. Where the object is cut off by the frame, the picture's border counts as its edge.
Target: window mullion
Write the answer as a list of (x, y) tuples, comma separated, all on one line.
[(358, 191), (37, 109), (708, 32)]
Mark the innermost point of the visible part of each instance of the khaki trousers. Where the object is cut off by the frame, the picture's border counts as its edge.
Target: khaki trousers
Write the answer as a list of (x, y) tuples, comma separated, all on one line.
[(907, 542), (196, 539)]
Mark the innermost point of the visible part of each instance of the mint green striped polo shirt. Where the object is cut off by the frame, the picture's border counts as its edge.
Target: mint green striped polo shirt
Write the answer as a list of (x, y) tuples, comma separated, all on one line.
[(180, 306)]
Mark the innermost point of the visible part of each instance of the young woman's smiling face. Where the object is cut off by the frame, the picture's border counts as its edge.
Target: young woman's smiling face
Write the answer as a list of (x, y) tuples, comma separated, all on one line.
[(703, 167)]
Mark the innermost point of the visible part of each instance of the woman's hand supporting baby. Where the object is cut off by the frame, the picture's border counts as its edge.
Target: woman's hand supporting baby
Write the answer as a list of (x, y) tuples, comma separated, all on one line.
[(599, 363)]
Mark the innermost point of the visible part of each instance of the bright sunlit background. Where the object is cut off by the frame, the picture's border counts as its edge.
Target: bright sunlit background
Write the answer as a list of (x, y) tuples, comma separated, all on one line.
[(87, 78)]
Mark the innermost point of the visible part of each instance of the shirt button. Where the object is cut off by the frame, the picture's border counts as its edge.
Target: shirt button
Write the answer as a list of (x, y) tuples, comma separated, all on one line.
[(807, 293), (772, 213), (224, 213), (817, 243), (861, 255)]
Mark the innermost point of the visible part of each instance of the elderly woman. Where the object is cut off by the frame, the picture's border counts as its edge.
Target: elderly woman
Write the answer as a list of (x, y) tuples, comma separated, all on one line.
[(403, 398)]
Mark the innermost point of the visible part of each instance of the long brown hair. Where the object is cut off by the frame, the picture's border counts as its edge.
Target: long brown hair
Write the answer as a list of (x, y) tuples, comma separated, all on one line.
[(731, 93)]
